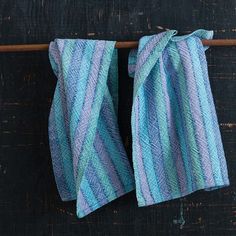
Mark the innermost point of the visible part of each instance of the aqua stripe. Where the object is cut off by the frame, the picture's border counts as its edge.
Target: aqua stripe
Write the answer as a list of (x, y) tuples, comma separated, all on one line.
[(153, 179), (63, 142), (142, 189), (177, 63), (218, 138), (196, 107), (143, 69), (96, 106), (140, 195), (164, 135), (113, 82), (67, 56), (57, 162), (111, 147), (109, 120), (72, 79), (89, 194), (81, 89), (206, 112), (103, 177), (177, 113)]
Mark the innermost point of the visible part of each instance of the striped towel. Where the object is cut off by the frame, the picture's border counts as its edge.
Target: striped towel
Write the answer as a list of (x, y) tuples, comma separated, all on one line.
[(177, 147), (89, 160)]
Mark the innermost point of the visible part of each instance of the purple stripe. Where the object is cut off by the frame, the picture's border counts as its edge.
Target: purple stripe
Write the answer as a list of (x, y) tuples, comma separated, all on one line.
[(83, 204), (107, 115), (107, 162), (218, 139), (94, 182), (81, 130), (196, 112), (57, 161), (145, 53), (154, 133), (61, 43), (54, 52), (60, 84), (175, 84), (131, 69), (72, 79), (139, 157), (175, 146)]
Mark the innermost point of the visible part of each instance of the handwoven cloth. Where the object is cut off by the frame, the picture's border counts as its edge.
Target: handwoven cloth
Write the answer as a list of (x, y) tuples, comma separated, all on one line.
[(89, 160), (177, 147)]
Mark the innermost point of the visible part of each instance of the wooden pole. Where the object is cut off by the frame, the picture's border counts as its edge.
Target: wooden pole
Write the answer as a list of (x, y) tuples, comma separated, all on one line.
[(128, 44)]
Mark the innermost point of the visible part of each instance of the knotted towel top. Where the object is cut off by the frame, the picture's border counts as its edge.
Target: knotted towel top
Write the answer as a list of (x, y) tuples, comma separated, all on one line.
[(89, 160), (177, 147)]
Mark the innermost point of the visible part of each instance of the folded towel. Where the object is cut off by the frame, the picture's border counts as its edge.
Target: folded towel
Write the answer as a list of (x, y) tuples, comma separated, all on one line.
[(177, 147), (89, 160)]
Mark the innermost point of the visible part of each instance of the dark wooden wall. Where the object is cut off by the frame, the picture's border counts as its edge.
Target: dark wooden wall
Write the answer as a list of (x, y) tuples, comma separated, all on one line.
[(29, 202)]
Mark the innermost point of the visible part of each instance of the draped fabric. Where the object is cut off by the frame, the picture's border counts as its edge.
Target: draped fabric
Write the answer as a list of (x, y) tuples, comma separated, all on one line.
[(89, 160), (177, 146), (176, 142)]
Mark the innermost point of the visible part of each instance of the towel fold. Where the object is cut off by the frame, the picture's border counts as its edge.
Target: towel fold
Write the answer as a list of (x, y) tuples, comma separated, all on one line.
[(89, 160), (176, 141), (177, 147)]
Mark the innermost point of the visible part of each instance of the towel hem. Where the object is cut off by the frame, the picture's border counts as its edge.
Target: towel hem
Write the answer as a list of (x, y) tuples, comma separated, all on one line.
[(206, 188), (119, 192)]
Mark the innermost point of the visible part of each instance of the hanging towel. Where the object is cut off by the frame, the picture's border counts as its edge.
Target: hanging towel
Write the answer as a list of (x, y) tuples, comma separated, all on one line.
[(89, 160), (177, 147)]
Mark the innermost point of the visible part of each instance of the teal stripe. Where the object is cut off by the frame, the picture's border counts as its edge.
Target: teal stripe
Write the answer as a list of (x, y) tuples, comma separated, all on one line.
[(197, 170), (67, 56), (139, 193), (81, 88), (63, 142), (116, 144), (179, 131), (145, 69), (169, 164), (99, 93), (215, 121), (206, 112), (89, 194), (103, 177), (113, 81), (153, 184), (115, 155)]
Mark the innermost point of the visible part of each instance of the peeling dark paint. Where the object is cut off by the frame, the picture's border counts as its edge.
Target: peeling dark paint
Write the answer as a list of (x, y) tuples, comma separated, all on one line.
[(29, 201)]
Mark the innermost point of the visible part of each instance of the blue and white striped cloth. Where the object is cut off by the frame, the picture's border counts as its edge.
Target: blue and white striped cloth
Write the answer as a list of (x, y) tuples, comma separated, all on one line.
[(177, 147)]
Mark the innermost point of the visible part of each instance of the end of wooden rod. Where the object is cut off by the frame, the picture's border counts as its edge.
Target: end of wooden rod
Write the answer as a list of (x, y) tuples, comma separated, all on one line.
[(24, 48)]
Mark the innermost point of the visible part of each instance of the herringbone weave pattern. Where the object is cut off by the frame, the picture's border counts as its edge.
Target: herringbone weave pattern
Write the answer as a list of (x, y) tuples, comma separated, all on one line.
[(177, 147), (89, 160)]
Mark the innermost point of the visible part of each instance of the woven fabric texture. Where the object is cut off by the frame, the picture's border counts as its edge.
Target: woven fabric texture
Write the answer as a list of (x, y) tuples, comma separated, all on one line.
[(176, 141), (177, 146), (89, 160)]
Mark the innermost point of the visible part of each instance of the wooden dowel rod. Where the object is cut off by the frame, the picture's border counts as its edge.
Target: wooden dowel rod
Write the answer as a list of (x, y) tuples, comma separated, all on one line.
[(24, 48), (128, 44)]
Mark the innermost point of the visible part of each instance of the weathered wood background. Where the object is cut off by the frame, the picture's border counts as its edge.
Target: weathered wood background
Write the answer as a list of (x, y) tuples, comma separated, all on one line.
[(29, 202)]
